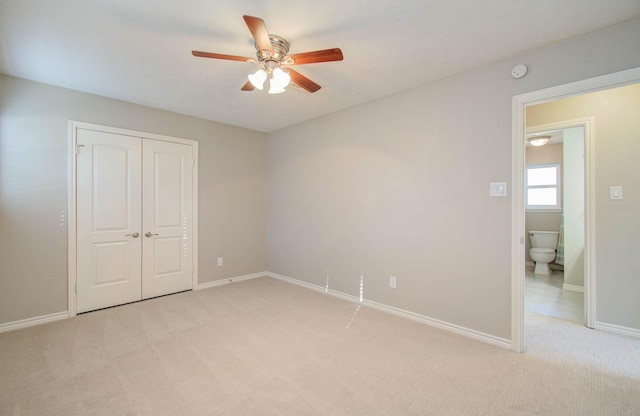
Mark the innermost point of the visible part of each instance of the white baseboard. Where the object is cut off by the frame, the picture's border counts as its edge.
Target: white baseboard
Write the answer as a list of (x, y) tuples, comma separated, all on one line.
[(617, 329), (573, 288), (457, 329), (230, 280), (38, 320)]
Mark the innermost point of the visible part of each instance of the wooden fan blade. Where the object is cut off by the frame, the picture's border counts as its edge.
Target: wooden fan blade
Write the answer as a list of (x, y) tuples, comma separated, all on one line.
[(222, 56), (325, 55), (248, 86), (299, 79), (259, 32)]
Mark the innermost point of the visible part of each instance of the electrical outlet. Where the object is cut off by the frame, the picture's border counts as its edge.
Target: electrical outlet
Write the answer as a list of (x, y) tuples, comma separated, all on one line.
[(392, 282), (220, 261)]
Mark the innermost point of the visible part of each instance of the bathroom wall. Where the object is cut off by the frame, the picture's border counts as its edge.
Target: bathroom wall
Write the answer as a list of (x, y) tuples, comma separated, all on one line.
[(617, 223), (542, 220)]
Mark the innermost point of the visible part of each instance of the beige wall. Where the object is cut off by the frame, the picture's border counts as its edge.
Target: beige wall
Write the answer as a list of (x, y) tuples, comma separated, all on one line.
[(400, 187), (542, 221), (617, 223), (33, 190)]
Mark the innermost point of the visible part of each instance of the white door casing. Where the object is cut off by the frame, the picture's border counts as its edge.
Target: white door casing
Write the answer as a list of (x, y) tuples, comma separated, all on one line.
[(519, 104), (108, 223), (111, 262)]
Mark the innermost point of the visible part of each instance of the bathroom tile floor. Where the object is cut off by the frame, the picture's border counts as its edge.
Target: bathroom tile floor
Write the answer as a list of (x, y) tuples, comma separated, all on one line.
[(544, 295)]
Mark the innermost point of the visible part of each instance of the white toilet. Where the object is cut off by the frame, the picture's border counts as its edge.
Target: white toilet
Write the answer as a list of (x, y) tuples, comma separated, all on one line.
[(543, 249)]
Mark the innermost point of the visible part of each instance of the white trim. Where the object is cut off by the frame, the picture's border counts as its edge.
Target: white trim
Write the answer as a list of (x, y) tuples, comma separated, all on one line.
[(38, 320), (133, 133), (194, 232), (572, 288), (617, 329), (72, 193), (228, 281), (590, 224), (71, 220), (519, 103), (457, 329)]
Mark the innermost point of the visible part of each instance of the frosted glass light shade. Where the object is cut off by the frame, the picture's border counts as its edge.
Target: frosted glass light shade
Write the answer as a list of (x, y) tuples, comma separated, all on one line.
[(281, 78), (274, 88), (257, 79), (539, 140)]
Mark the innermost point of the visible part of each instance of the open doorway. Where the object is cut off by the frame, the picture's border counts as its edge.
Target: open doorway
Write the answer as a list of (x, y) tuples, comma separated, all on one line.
[(555, 214), (519, 236)]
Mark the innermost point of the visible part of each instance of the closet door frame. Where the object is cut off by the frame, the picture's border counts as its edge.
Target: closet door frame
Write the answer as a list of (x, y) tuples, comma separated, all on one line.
[(74, 126)]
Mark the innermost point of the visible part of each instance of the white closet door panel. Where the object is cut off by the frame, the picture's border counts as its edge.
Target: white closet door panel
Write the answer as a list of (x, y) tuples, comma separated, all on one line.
[(167, 257), (108, 219)]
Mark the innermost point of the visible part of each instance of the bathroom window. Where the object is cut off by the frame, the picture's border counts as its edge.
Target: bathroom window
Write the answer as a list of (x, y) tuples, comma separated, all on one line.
[(543, 187)]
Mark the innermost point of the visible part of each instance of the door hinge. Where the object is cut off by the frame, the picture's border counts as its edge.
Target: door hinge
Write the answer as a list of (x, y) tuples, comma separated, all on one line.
[(76, 288), (193, 162)]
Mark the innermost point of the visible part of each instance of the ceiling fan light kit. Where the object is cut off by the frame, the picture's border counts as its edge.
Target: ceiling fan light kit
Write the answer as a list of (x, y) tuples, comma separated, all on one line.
[(258, 78), (279, 81), (272, 55)]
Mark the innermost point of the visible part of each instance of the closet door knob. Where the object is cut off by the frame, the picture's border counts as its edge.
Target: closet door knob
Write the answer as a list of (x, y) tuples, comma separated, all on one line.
[(150, 234), (134, 235)]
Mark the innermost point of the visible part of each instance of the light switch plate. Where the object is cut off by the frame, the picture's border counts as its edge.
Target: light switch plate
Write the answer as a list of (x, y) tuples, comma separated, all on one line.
[(615, 193), (498, 189)]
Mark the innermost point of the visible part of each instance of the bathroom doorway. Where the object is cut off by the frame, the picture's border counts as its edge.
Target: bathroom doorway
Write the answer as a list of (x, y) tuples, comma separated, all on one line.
[(614, 303), (556, 208)]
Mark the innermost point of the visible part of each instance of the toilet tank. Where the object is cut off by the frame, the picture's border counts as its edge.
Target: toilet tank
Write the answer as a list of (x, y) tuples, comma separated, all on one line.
[(544, 239)]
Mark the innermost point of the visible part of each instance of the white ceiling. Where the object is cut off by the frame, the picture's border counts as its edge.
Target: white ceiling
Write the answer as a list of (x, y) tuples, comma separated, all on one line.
[(140, 50)]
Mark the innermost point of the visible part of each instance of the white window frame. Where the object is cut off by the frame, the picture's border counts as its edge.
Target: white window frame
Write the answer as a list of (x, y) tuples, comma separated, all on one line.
[(552, 208)]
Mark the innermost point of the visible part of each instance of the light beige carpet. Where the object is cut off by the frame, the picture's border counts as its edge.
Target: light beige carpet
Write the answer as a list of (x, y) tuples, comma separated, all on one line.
[(265, 347)]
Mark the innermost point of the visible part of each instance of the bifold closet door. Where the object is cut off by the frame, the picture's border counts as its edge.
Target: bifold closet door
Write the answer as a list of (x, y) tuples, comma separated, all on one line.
[(134, 219), (109, 206)]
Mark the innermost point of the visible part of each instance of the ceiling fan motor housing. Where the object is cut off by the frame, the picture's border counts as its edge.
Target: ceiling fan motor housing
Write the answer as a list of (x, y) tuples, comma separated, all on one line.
[(280, 51)]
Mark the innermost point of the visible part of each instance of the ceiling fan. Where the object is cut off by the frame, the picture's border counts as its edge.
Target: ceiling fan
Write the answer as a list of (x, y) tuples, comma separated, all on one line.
[(272, 54)]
